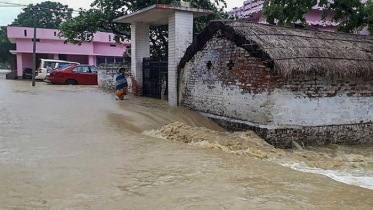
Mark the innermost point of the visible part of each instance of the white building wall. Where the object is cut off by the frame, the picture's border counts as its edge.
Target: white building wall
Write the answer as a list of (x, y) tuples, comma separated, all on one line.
[(140, 48), (180, 37), (247, 92), (290, 109)]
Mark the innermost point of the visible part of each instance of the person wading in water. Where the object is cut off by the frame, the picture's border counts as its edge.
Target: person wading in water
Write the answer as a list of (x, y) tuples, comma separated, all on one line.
[(122, 85)]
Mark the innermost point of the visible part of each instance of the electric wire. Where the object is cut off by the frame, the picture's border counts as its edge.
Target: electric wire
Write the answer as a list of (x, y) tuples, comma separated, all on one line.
[(9, 4)]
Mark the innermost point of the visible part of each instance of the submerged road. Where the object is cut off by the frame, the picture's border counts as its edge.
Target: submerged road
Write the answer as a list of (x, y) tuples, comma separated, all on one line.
[(76, 147)]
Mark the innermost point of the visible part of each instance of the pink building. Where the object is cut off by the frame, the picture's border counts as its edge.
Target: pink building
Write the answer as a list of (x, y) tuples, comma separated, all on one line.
[(253, 11), (103, 49)]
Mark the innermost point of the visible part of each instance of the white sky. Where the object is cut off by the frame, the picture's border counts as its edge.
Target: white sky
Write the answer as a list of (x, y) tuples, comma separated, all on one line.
[(8, 14)]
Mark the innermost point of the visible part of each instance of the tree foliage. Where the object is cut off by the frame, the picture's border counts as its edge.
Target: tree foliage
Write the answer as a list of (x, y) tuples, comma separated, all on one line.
[(286, 12), (100, 18), (353, 15), (5, 46), (48, 14)]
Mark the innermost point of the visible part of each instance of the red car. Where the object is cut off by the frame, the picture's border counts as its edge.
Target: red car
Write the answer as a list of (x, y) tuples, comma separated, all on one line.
[(74, 75)]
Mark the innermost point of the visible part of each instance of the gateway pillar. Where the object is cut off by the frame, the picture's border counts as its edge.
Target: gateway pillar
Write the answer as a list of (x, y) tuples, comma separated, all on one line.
[(180, 36), (140, 48), (179, 17)]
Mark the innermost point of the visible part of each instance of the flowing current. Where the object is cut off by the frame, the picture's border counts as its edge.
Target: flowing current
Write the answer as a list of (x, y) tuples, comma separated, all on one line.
[(348, 164), (76, 147)]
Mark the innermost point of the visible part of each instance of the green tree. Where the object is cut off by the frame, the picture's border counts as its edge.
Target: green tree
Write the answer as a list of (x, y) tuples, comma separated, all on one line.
[(5, 46), (353, 15), (49, 15), (100, 18)]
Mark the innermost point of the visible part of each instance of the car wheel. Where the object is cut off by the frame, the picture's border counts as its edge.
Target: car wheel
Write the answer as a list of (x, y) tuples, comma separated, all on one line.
[(71, 82), (26, 77)]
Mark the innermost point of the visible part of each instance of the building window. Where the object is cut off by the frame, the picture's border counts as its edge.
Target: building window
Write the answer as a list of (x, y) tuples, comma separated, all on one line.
[(55, 33), (113, 45), (108, 60), (37, 40), (119, 60), (109, 38), (25, 32), (209, 65), (230, 65), (101, 60), (62, 57)]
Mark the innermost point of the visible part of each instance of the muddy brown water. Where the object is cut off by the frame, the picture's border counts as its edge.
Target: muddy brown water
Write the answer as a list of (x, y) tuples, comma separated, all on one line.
[(76, 147)]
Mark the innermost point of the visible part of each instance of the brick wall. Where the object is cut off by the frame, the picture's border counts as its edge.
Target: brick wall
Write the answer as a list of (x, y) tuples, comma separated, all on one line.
[(351, 134), (253, 93), (106, 75), (221, 91)]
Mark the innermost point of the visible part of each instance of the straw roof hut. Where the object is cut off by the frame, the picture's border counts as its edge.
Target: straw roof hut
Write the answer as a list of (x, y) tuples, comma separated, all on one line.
[(291, 51)]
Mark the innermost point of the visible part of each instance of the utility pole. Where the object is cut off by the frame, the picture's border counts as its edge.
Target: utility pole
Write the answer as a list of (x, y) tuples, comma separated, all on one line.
[(34, 48)]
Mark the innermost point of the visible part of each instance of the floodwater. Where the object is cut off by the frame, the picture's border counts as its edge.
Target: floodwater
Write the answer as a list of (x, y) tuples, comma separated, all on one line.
[(76, 147)]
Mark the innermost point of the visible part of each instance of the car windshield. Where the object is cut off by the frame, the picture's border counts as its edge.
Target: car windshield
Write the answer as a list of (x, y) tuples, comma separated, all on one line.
[(93, 69), (63, 65), (84, 69), (52, 65), (62, 68)]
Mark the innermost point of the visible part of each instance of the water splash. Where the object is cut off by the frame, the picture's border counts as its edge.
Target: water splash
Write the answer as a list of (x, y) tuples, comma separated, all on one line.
[(344, 164)]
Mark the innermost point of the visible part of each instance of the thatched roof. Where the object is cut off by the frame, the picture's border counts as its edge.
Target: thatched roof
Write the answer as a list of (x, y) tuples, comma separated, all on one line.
[(290, 51)]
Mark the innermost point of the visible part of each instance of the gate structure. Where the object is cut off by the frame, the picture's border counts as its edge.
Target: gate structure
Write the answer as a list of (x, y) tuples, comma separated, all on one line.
[(179, 18), (155, 78)]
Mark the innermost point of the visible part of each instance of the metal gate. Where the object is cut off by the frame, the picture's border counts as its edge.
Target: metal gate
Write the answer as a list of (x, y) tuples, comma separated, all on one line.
[(155, 79)]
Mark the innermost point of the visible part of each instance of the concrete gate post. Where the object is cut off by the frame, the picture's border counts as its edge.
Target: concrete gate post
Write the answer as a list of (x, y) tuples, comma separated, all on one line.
[(180, 36), (140, 48), (179, 18)]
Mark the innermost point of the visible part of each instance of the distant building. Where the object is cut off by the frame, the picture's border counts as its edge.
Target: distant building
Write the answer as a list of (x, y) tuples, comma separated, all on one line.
[(103, 48), (285, 84), (252, 10)]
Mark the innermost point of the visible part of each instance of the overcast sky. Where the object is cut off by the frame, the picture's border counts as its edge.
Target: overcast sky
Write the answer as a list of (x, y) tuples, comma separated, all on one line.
[(8, 14)]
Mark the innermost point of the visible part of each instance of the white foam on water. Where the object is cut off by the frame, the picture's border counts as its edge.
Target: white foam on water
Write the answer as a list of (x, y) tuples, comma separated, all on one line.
[(346, 165), (356, 177)]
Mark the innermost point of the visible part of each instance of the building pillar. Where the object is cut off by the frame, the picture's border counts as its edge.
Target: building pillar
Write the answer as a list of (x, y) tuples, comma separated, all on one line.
[(92, 60), (55, 56), (19, 65), (180, 36), (140, 48)]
